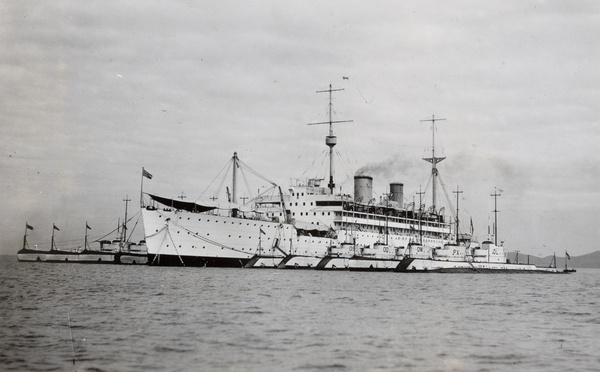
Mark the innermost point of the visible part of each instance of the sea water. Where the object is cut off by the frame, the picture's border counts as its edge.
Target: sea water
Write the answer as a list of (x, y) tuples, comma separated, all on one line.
[(138, 318)]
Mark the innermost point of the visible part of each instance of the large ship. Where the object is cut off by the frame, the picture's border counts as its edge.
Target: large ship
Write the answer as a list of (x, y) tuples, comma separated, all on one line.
[(311, 225)]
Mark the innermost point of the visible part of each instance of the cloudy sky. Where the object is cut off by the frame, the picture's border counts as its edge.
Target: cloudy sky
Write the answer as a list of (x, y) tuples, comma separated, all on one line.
[(94, 91)]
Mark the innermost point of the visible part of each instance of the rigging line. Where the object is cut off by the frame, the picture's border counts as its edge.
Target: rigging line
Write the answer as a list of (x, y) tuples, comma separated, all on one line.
[(321, 167), (427, 186), (226, 166), (134, 226), (345, 166), (452, 208), (175, 247), (246, 182), (256, 173), (104, 236), (313, 163), (161, 243), (262, 193), (230, 165)]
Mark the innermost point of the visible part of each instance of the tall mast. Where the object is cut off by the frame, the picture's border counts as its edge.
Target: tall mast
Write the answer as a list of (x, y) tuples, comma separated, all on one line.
[(27, 227), (85, 243), (433, 159), (420, 214), (495, 195), (387, 204), (331, 140), (124, 239), (52, 245), (457, 192), (234, 172)]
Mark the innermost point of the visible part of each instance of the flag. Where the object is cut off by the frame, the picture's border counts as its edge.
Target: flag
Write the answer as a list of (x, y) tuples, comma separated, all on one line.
[(29, 226), (146, 174), (472, 225), (87, 226), (55, 228), (262, 232), (568, 256)]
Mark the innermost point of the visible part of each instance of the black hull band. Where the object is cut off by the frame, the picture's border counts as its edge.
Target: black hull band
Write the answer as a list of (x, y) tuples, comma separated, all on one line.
[(196, 261)]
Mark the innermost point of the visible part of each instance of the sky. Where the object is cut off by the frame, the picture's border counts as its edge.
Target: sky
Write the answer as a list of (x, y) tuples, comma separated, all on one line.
[(94, 91)]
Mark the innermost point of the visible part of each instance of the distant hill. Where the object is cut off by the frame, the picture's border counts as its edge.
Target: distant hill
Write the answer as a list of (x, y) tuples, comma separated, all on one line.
[(591, 260)]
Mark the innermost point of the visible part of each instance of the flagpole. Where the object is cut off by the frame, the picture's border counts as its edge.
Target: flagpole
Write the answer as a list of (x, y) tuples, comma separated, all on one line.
[(142, 190), (85, 244), (52, 242)]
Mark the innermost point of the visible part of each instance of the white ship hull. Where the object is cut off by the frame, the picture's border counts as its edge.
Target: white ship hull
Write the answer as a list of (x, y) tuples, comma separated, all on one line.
[(72, 257), (429, 265), (358, 263), (300, 262), (182, 238), (264, 262)]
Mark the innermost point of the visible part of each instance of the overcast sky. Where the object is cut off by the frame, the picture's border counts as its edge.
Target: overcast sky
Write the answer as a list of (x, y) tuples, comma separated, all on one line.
[(94, 91)]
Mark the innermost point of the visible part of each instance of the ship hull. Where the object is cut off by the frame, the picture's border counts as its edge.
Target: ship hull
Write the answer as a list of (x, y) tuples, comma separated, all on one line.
[(69, 257), (372, 264), (358, 263), (415, 265), (195, 261), (264, 262), (181, 238), (333, 263), (299, 262), (85, 257)]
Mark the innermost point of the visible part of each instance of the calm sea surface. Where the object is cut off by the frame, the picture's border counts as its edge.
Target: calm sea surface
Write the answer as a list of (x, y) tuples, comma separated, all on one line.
[(139, 318)]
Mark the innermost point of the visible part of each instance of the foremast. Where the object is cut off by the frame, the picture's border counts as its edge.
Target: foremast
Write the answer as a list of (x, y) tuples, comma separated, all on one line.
[(433, 159), (331, 140), (496, 194)]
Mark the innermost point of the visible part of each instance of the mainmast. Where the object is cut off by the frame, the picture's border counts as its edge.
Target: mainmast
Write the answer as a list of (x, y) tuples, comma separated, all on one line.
[(331, 140), (124, 238), (457, 192), (421, 193), (433, 159), (495, 195), (236, 165)]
